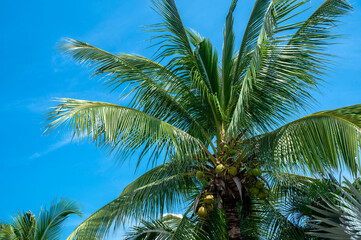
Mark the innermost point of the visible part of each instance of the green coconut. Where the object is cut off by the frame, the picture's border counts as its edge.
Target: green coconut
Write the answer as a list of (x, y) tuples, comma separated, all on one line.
[(220, 168), (233, 152), (202, 212), (200, 175), (262, 195), (253, 191), (233, 171), (256, 172), (208, 199), (249, 172), (259, 184), (209, 207)]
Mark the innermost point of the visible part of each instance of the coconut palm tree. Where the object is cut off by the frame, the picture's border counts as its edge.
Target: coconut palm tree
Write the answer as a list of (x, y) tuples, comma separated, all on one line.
[(48, 224), (219, 121)]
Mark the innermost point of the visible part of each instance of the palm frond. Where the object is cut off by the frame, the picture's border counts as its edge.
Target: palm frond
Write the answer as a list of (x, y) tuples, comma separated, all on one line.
[(267, 25), (161, 229), (275, 225), (287, 210), (156, 90), (194, 37), (120, 129), (165, 187), (207, 59), (250, 36), (286, 63), (174, 43), (317, 142), (7, 231), (341, 219), (24, 225), (170, 227), (173, 33), (227, 55), (50, 221)]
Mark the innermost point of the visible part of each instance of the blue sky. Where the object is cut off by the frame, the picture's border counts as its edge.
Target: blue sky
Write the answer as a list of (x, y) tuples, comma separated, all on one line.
[(35, 168)]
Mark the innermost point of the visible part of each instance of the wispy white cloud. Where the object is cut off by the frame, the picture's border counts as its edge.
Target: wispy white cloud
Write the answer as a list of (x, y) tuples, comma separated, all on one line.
[(61, 143), (173, 214)]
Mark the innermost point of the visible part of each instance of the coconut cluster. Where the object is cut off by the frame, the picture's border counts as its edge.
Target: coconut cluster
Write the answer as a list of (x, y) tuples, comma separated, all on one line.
[(231, 170), (232, 174), (256, 185), (220, 168), (206, 206)]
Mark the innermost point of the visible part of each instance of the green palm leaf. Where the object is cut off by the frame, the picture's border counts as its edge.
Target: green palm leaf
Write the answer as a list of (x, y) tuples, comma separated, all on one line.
[(317, 142), (165, 187), (283, 68), (50, 221), (227, 55), (341, 219), (121, 129), (48, 225), (156, 90), (158, 229)]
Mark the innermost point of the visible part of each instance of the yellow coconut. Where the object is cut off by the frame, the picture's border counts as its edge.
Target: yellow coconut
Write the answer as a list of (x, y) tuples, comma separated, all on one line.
[(219, 168), (202, 212), (208, 199)]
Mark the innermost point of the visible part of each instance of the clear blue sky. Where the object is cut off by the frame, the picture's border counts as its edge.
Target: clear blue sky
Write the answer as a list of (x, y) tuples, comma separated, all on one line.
[(35, 168)]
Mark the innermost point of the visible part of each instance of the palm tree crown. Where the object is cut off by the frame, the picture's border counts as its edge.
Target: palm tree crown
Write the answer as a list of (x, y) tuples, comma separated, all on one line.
[(219, 117), (25, 226)]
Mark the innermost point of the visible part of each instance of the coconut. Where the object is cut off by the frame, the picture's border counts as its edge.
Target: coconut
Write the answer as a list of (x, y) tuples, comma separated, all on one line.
[(256, 172), (200, 174), (208, 199), (262, 195), (253, 191), (209, 207), (233, 171), (249, 172), (259, 184), (202, 212), (233, 152), (219, 168)]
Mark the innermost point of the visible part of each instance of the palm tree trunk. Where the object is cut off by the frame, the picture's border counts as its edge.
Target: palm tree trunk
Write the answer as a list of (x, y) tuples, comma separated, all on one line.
[(232, 218)]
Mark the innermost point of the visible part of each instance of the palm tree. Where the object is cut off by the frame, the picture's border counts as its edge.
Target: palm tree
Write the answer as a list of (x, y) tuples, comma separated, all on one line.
[(219, 119), (48, 224)]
